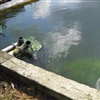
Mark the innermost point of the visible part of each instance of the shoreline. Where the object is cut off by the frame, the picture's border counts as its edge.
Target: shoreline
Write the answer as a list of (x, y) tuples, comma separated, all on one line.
[(13, 4)]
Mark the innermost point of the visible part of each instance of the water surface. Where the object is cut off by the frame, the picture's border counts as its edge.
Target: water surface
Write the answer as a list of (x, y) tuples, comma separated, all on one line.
[(69, 31)]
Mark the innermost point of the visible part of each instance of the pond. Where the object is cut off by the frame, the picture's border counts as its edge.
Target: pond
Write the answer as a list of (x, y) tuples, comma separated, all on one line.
[(69, 31)]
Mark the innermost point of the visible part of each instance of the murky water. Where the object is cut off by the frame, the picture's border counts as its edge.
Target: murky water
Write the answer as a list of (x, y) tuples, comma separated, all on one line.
[(69, 31)]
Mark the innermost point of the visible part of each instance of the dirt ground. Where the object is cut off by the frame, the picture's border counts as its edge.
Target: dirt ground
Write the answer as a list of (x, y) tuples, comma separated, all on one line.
[(10, 89)]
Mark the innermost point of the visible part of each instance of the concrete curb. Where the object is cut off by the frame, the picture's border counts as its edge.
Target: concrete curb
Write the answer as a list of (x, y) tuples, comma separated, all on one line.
[(13, 3), (48, 82)]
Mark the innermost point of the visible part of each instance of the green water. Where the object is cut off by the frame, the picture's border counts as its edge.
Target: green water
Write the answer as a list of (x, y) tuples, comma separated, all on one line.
[(69, 31)]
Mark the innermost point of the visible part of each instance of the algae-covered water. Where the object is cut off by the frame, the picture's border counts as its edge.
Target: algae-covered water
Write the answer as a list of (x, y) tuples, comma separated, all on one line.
[(69, 31)]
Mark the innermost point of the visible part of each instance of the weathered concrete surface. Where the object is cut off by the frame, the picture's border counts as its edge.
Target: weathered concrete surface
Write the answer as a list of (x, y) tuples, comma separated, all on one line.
[(3, 1), (13, 3), (48, 82), (4, 57)]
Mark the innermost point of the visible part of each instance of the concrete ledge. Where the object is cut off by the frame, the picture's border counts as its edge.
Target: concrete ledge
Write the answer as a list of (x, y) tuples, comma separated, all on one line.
[(3, 1), (4, 57), (48, 82), (13, 3)]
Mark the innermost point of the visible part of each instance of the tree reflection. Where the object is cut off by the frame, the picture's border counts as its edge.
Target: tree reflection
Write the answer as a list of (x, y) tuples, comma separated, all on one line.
[(4, 17)]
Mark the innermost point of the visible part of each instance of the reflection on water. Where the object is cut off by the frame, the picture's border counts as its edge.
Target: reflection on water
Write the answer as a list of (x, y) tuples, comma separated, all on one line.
[(42, 10), (60, 41), (69, 31)]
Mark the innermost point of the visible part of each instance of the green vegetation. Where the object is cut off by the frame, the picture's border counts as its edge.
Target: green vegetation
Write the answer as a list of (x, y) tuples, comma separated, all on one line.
[(36, 45), (0, 29), (86, 70)]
